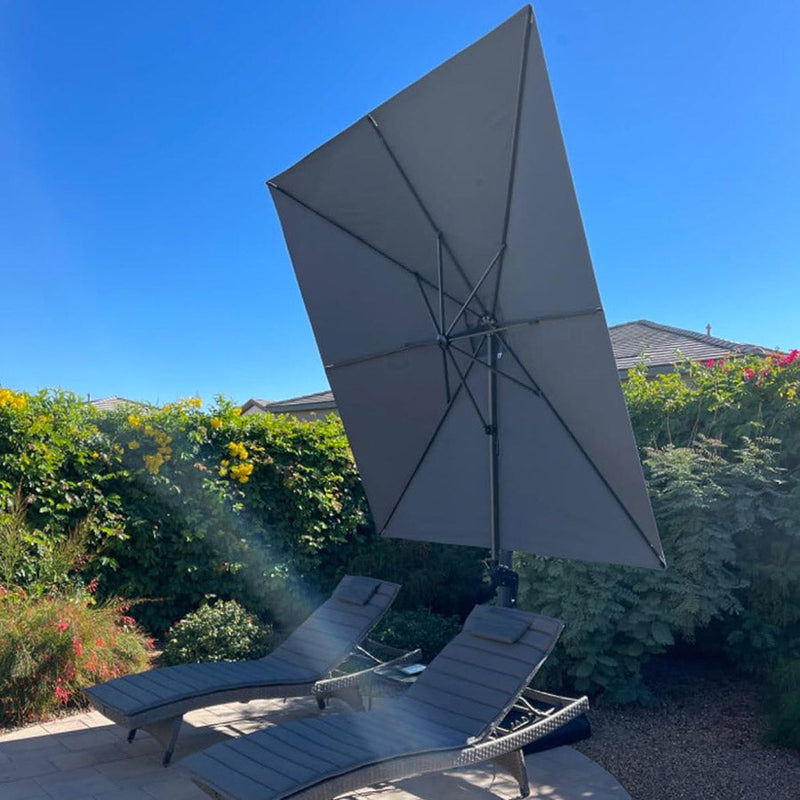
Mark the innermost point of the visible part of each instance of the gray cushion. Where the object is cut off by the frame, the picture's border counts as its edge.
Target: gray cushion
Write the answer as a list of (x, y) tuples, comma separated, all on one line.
[(496, 624), (356, 589)]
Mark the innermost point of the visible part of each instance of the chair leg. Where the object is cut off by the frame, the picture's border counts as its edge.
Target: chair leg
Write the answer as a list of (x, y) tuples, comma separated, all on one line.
[(166, 732), (131, 734), (514, 764)]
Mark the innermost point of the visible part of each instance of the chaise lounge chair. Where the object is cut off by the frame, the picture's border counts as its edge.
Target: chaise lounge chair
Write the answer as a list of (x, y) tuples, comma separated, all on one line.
[(450, 717), (156, 700)]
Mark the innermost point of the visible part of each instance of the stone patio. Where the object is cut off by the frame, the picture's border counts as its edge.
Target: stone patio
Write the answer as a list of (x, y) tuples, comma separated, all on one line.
[(86, 757)]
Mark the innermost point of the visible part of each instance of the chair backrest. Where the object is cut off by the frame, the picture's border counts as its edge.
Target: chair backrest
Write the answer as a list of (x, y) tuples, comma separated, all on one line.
[(473, 682), (329, 635)]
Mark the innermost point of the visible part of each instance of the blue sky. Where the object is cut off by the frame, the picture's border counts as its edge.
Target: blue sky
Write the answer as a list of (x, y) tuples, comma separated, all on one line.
[(139, 251)]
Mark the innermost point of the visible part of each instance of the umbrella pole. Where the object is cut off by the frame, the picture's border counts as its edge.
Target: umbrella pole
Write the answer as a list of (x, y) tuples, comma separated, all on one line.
[(502, 576)]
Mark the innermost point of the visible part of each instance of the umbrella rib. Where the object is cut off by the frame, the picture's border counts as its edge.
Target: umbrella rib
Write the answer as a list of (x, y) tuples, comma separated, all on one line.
[(520, 323), (474, 290), (440, 329), (440, 276), (351, 362), (412, 272), (585, 454), (426, 450), (531, 388), (402, 348), (463, 377), (514, 147), (422, 205), (428, 305), (437, 328)]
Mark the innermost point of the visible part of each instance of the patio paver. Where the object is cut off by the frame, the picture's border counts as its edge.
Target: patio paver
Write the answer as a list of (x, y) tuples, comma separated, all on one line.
[(86, 757)]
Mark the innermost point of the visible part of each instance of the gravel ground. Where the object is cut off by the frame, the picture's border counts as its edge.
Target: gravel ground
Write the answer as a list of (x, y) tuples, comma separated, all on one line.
[(702, 743)]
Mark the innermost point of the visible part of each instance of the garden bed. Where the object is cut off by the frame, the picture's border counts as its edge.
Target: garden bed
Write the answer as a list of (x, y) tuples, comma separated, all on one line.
[(704, 740)]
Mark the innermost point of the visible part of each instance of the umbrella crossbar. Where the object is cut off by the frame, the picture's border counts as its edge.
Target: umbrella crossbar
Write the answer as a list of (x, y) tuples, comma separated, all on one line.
[(447, 340)]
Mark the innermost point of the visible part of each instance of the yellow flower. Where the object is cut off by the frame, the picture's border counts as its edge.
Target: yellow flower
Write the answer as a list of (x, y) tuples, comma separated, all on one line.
[(223, 471), (238, 450), (9, 398), (225, 462), (216, 423), (242, 472), (134, 420)]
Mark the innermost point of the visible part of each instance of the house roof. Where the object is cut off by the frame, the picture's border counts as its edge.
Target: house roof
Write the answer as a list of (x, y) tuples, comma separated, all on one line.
[(318, 401), (255, 404), (115, 402), (659, 345)]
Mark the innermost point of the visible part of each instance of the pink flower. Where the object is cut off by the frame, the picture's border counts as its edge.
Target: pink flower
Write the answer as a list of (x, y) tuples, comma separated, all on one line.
[(62, 625), (61, 693), (710, 362), (789, 359), (93, 584), (77, 646), (749, 374)]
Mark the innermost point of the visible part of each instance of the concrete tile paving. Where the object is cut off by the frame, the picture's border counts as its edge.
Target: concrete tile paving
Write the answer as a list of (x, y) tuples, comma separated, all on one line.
[(86, 757)]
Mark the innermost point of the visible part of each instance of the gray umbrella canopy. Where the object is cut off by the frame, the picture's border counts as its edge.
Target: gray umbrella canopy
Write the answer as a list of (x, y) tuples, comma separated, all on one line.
[(442, 260)]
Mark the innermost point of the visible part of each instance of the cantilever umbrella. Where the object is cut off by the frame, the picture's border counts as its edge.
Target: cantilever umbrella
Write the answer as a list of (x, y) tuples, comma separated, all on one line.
[(442, 260)]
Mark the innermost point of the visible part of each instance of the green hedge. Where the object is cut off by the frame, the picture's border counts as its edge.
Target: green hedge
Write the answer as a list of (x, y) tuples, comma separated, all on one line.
[(184, 503)]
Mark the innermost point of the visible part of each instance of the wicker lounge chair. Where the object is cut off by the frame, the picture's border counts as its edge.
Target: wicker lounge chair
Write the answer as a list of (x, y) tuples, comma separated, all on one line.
[(156, 700), (448, 718)]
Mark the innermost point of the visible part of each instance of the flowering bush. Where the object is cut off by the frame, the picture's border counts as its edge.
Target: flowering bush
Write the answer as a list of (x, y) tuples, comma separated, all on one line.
[(54, 638), (238, 507), (52, 647), (220, 632), (53, 452), (178, 502), (720, 399)]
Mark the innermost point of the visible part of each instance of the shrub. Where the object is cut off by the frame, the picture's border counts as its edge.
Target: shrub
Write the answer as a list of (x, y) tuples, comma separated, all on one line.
[(220, 632), (616, 616), (408, 630), (445, 579), (52, 451), (52, 647)]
